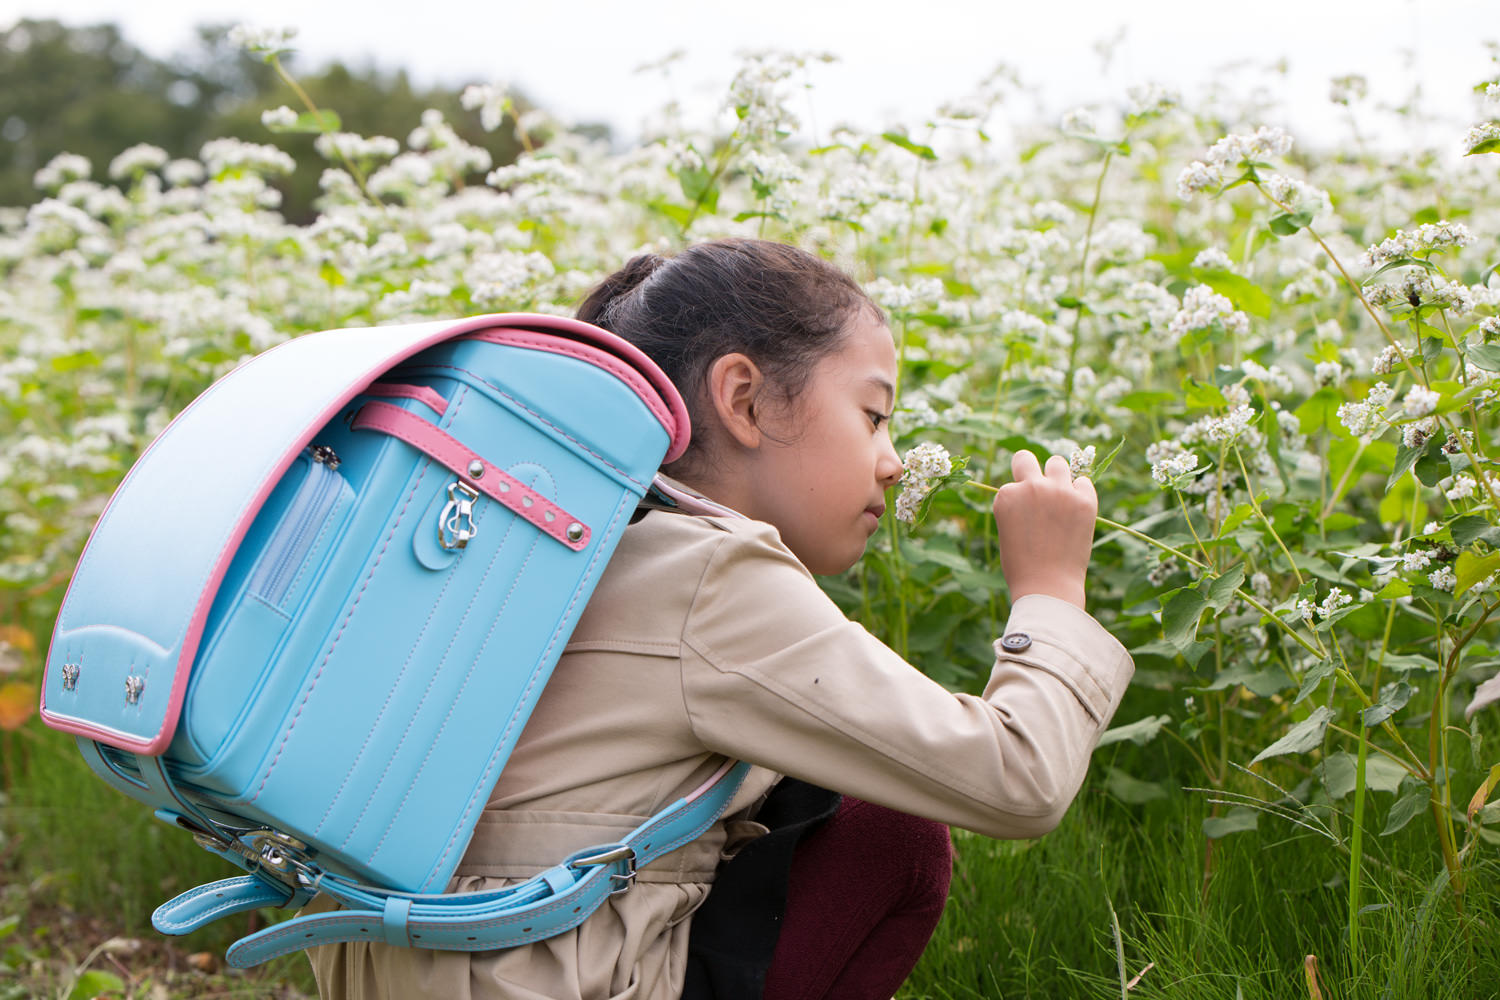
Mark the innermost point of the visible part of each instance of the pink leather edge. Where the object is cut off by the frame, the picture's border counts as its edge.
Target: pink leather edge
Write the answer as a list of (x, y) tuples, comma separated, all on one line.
[(495, 483), (158, 744), (425, 395)]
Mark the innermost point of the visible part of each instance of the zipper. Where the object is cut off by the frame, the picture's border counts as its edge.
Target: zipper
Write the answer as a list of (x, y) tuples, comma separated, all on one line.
[(298, 529)]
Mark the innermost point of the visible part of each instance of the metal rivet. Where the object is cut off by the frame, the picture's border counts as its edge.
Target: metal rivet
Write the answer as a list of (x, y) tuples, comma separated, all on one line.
[(70, 672), (133, 687), (476, 469), (575, 531), (527, 501), (551, 516), (1016, 642)]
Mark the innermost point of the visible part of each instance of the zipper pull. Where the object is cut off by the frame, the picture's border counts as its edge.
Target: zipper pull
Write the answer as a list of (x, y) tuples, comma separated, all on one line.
[(324, 455), (456, 522)]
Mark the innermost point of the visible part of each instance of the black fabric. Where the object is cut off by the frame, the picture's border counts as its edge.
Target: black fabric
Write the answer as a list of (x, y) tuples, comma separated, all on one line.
[(734, 932)]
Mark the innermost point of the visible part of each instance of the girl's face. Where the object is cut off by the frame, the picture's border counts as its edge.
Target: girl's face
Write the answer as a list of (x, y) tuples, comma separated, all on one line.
[(821, 475)]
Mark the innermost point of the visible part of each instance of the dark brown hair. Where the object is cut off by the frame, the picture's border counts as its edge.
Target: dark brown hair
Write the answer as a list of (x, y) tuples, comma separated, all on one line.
[(782, 307)]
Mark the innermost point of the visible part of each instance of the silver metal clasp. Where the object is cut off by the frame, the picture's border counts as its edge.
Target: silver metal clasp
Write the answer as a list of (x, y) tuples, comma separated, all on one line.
[(623, 853), (456, 522)]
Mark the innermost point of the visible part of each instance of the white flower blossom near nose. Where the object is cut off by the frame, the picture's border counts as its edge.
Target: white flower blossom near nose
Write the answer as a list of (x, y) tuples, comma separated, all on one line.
[(1081, 461), (924, 466)]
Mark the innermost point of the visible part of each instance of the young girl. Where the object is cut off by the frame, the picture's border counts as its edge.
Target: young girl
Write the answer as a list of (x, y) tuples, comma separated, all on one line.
[(707, 637)]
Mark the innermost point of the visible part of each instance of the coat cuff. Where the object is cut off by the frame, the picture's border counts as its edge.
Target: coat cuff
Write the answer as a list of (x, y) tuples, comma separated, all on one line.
[(1067, 642)]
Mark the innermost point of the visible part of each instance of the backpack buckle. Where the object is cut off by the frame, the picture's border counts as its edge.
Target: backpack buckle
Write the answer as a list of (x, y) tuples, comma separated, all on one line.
[(456, 522)]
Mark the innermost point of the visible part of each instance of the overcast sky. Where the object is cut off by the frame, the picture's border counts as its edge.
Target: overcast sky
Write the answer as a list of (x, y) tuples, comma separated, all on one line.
[(898, 60)]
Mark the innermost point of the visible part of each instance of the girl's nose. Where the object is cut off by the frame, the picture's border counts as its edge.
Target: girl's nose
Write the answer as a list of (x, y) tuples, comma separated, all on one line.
[(888, 468)]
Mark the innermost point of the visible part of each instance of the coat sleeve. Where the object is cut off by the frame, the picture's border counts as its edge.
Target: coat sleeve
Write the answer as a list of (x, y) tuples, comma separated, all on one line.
[(773, 673)]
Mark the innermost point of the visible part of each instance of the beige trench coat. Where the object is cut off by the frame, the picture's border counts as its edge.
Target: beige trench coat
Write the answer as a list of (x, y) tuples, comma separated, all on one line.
[(706, 638)]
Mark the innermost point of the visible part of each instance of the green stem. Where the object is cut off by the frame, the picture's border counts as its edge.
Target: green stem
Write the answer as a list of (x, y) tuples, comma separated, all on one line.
[(1088, 241)]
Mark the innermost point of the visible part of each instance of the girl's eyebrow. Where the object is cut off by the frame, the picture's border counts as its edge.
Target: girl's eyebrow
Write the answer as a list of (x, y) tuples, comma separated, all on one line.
[(886, 387)]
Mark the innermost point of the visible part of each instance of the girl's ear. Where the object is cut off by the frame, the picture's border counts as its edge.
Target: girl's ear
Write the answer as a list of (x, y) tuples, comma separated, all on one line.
[(734, 383)]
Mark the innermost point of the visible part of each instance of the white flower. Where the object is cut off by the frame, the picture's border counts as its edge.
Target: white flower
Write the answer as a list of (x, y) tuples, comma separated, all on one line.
[(1078, 121), (1171, 464), (1431, 528), (1417, 433), (1461, 487), (1415, 560), (1336, 599), (1388, 359), (1260, 585), (1081, 461), (1443, 579), (1485, 132), (1201, 308), (137, 159), (924, 465), (1306, 609), (1212, 259), (1425, 239), (1347, 89), (261, 39), (492, 101), (1150, 100), (61, 169), (282, 117), (1328, 373), (1420, 401)]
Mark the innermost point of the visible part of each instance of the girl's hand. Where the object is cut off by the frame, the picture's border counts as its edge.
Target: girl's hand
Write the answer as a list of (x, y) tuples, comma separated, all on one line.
[(1046, 528)]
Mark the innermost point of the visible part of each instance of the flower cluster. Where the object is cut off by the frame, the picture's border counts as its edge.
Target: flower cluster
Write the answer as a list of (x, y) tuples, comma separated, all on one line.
[(1231, 152), (1426, 239), (925, 466)]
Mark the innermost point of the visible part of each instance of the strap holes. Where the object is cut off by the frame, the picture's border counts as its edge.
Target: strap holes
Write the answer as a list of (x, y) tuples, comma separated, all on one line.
[(577, 908), (525, 930), (471, 938), (307, 935), (527, 501), (551, 516), (503, 486)]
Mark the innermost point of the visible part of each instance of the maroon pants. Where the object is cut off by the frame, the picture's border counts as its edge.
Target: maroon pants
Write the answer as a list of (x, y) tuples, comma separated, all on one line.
[(865, 892)]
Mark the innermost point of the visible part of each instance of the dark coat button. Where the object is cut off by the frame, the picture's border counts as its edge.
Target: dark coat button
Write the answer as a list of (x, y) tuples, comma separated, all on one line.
[(1016, 642)]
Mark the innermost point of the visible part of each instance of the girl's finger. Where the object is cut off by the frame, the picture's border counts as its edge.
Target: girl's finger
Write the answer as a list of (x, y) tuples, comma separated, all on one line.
[(1057, 468), (1023, 466)]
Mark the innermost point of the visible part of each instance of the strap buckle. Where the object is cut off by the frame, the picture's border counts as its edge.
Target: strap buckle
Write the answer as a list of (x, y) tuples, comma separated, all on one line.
[(609, 856)]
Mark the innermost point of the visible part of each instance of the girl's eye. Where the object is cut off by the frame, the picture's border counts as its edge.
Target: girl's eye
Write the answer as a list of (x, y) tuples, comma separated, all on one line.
[(877, 418)]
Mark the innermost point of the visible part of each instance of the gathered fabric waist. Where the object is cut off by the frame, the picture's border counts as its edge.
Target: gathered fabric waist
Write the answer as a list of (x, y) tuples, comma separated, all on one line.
[(517, 844)]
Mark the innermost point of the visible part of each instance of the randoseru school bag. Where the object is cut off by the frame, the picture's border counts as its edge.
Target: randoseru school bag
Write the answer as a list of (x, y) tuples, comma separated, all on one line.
[(313, 619)]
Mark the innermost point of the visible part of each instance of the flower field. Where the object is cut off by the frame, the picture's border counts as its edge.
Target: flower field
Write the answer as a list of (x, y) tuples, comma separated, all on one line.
[(1279, 360)]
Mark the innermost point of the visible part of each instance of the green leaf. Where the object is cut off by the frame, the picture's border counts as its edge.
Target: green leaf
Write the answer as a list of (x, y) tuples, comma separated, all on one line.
[(1221, 590), (1393, 698), (1487, 146), (1409, 661), (1471, 569), (8, 926), (1179, 617), (311, 123), (1411, 803), (1405, 459), (95, 983), (925, 152), (1202, 395), (1263, 683), (1133, 791), (1240, 819), (1144, 401), (1431, 466), (1339, 771), (1316, 674), (1243, 292), (1486, 356), (1472, 528), (1287, 223), (1101, 464), (1302, 737), (1139, 732), (1400, 262), (1320, 410), (698, 186)]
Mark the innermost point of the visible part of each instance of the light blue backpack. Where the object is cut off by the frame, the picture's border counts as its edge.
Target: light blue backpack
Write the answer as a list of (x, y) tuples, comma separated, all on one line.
[(315, 616)]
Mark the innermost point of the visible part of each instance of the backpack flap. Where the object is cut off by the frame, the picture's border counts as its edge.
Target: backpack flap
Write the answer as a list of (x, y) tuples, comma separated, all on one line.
[(130, 625)]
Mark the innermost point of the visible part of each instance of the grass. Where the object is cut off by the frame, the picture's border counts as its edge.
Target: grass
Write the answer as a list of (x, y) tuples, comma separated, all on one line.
[(1028, 919), (1037, 919)]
